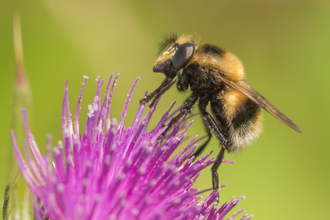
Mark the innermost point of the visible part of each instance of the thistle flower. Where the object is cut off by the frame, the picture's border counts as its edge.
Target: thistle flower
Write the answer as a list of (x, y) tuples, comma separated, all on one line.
[(116, 172)]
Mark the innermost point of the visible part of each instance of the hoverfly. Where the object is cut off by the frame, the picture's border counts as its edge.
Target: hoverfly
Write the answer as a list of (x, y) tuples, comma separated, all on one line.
[(215, 77)]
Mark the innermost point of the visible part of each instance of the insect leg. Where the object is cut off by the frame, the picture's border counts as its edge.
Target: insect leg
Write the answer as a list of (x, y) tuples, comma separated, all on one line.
[(213, 126), (202, 147), (209, 121), (160, 90), (214, 170), (203, 102), (188, 104), (210, 126)]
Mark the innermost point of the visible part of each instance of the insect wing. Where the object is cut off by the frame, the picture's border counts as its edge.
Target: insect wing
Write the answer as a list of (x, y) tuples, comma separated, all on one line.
[(257, 98)]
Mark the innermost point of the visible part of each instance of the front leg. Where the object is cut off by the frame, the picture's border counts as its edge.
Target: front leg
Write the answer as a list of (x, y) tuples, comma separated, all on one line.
[(166, 84), (161, 92), (184, 79)]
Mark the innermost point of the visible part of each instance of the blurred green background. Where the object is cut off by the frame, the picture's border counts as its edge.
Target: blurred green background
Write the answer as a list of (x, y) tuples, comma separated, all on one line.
[(284, 46)]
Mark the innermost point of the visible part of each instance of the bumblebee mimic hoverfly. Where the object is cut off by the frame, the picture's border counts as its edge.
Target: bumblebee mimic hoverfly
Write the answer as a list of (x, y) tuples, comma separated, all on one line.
[(215, 77)]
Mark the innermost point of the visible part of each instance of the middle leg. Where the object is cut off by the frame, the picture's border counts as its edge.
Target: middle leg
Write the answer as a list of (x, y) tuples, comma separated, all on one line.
[(187, 108)]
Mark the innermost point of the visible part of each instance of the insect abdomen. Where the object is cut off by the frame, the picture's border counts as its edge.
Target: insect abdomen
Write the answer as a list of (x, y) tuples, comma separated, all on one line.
[(245, 126), (240, 117)]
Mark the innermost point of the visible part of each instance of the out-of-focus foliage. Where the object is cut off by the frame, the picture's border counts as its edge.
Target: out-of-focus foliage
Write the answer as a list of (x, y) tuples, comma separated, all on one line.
[(284, 46)]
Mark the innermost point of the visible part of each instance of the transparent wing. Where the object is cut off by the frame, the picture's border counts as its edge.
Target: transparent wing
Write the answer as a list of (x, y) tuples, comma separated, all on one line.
[(257, 98)]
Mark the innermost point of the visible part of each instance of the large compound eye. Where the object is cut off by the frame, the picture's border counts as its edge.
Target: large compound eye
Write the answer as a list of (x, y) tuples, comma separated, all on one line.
[(183, 54)]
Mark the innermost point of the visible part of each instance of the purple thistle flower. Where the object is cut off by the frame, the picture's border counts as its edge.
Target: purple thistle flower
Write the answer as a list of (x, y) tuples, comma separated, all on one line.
[(116, 172)]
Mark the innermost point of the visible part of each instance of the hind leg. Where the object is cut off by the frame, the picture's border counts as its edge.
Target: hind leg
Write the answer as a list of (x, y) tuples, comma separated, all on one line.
[(212, 126)]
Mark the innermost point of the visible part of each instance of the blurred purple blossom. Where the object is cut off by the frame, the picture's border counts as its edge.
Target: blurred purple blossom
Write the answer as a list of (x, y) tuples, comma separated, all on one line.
[(113, 172)]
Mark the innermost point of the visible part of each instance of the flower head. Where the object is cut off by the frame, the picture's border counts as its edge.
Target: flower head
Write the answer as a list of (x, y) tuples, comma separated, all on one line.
[(114, 172)]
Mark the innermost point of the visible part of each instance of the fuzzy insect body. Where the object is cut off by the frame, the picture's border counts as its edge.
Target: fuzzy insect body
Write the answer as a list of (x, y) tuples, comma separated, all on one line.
[(216, 78)]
